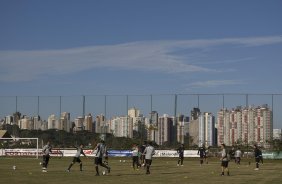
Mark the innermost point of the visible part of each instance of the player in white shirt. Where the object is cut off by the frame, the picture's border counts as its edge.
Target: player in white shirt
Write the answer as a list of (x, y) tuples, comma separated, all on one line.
[(76, 158), (46, 150), (149, 152), (100, 150), (238, 155)]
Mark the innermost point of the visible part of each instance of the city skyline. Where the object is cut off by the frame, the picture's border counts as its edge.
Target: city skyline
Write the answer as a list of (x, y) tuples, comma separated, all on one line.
[(238, 125), (70, 49)]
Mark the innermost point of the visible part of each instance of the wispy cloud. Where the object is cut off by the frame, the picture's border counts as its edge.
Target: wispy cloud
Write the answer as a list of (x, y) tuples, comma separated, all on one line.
[(159, 56), (214, 83)]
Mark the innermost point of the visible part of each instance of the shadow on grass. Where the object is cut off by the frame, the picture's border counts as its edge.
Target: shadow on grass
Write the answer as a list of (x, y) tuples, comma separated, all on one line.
[(175, 172), (135, 174)]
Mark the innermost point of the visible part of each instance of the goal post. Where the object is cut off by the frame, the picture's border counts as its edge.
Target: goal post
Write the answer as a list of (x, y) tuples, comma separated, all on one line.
[(19, 147)]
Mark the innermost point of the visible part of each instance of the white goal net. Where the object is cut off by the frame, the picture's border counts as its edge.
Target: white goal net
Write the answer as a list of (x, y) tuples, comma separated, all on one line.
[(13, 147)]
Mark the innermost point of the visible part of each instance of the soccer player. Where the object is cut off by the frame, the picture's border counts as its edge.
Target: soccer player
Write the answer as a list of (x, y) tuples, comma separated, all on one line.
[(135, 152), (142, 149), (76, 158), (106, 156), (148, 152), (238, 155), (46, 150), (207, 155), (261, 158), (224, 160), (232, 154), (202, 153), (100, 152), (180, 151), (257, 156)]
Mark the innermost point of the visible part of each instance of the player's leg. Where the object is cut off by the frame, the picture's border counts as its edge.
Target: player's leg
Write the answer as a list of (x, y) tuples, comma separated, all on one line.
[(148, 164), (222, 168), (104, 165), (80, 163), (143, 161), (227, 169), (96, 162), (257, 159), (133, 162), (47, 161), (178, 161), (182, 158), (71, 164), (201, 160), (43, 163)]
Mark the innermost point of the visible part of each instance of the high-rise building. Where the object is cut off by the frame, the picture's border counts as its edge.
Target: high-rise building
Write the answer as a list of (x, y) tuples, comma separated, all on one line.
[(277, 134), (193, 127), (252, 125), (88, 123), (37, 123), (65, 122), (180, 129), (122, 126), (78, 122), (195, 113), (101, 125), (9, 120), (53, 122), (138, 119), (152, 126), (263, 125), (26, 123), (165, 130), (206, 129), (133, 112)]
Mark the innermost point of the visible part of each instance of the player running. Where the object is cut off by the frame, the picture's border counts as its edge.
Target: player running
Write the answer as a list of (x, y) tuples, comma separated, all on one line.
[(76, 158), (142, 149), (135, 158), (257, 156), (149, 152), (202, 153), (180, 151), (46, 150), (100, 150)]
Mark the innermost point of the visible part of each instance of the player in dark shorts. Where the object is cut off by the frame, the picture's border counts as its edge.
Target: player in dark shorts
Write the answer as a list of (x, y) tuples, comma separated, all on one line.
[(202, 153), (207, 155), (224, 160), (180, 151), (258, 154), (46, 150), (100, 152), (232, 154), (142, 149), (135, 157), (76, 158), (149, 152)]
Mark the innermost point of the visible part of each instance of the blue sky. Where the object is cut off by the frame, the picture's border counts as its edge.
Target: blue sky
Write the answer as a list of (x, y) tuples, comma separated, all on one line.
[(72, 47)]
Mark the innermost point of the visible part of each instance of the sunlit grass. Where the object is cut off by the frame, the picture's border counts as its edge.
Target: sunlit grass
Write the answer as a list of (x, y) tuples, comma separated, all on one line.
[(163, 170)]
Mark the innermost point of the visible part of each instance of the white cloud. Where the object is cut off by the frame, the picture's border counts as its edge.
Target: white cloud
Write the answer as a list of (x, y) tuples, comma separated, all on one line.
[(156, 56), (214, 83)]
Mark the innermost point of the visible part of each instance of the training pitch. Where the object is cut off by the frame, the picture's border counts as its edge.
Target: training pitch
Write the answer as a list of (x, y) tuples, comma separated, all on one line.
[(163, 170)]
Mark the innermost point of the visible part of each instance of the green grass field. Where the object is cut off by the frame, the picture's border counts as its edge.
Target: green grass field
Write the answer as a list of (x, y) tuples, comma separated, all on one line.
[(163, 170)]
